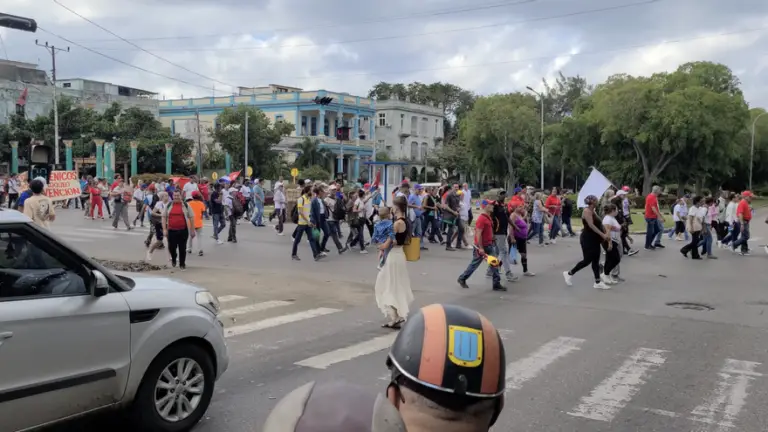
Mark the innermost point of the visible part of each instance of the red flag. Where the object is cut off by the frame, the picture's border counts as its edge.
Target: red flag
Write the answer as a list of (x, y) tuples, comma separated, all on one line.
[(233, 176), (377, 179), (23, 98)]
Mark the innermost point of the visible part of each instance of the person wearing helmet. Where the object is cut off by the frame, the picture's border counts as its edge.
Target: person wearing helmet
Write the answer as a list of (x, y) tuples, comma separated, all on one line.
[(447, 368), (483, 246)]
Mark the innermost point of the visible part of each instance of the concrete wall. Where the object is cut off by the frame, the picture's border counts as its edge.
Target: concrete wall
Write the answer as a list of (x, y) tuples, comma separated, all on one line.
[(40, 100), (410, 131)]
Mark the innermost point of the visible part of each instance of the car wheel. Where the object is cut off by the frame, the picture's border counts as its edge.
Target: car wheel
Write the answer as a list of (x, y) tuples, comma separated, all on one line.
[(175, 391)]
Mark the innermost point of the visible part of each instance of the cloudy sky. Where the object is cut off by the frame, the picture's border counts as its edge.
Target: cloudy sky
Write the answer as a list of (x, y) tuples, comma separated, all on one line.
[(348, 45)]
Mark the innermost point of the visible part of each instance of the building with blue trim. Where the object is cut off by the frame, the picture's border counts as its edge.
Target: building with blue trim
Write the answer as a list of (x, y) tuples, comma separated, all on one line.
[(290, 104)]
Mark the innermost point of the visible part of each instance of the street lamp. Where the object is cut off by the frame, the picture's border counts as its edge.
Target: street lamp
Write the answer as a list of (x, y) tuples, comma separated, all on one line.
[(752, 148), (541, 136), (18, 23)]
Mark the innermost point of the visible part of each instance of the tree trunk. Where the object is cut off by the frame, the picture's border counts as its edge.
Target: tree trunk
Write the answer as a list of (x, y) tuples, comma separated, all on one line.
[(699, 186)]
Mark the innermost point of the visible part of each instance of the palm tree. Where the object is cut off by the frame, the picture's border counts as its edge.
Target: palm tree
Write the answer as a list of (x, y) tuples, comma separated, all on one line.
[(310, 153)]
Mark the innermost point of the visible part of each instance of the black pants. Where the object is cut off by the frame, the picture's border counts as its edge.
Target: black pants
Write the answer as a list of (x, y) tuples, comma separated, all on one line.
[(280, 219), (693, 246), (232, 237), (612, 258), (330, 230), (590, 249), (177, 246)]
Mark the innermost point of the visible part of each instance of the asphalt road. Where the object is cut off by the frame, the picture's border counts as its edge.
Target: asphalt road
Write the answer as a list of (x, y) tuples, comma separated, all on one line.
[(578, 359)]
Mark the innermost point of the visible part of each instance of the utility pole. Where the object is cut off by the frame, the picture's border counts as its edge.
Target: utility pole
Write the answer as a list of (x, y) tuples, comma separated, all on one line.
[(53, 50), (245, 167), (199, 146)]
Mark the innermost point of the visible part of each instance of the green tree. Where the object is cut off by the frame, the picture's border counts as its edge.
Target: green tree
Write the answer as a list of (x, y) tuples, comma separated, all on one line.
[(310, 153), (316, 172), (262, 137), (499, 132)]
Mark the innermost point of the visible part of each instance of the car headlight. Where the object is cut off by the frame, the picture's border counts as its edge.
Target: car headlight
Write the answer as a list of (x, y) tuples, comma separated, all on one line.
[(208, 301)]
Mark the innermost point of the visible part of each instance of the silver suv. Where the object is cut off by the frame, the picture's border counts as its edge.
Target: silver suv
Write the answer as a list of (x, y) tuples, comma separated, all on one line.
[(76, 338)]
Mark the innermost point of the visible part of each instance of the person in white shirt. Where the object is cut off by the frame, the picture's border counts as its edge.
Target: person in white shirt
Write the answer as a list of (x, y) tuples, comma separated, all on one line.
[(730, 220), (466, 199), (613, 251), (190, 187), (138, 197), (280, 207), (696, 215), (679, 215), (13, 190)]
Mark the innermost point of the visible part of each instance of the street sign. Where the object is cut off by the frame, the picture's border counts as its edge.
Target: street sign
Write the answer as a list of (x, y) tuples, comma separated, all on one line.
[(294, 172), (215, 175), (250, 171), (18, 23)]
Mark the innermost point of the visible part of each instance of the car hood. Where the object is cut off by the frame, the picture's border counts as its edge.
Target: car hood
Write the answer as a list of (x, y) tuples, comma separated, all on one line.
[(149, 282)]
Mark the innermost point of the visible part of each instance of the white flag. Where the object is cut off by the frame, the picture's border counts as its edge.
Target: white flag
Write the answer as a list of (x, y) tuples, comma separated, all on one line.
[(596, 185)]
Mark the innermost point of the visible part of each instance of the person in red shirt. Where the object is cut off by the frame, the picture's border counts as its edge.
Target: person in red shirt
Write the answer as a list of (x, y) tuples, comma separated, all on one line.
[(517, 200), (483, 246), (553, 204), (744, 214), (654, 220), (206, 193)]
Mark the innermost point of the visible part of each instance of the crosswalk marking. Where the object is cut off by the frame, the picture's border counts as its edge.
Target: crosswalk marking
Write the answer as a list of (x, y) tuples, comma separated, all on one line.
[(231, 298), (323, 361), (728, 399), (256, 307), (100, 236), (278, 320), (615, 392), (110, 230), (523, 370)]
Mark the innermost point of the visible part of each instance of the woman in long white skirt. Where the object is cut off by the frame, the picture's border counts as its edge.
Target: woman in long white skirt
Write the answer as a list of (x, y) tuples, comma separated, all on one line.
[(393, 286)]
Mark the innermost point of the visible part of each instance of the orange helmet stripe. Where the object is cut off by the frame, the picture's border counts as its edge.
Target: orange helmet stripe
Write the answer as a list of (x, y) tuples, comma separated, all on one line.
[(492, 358), (434, 349)]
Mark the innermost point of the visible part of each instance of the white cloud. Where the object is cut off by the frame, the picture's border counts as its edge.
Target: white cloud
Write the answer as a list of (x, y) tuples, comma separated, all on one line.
[(321, 44)]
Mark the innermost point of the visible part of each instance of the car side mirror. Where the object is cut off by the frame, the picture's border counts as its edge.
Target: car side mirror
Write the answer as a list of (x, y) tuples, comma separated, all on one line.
[(101, 284)]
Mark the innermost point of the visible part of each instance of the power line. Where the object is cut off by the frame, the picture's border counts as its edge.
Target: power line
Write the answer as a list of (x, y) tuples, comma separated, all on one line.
[(451, 11), (403, 36), (121, 61), (142, 49), (526, 60)]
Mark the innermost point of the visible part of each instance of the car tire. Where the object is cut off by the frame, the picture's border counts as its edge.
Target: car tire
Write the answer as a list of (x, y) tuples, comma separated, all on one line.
[(143, 412)]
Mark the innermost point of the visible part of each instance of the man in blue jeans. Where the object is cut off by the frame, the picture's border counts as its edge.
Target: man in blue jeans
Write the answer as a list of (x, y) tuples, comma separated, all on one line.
[(258, 203), (654, 220)]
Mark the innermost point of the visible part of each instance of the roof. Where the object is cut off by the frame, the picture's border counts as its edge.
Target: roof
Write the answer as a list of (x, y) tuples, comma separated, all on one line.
[(13, 216), (58, 80)]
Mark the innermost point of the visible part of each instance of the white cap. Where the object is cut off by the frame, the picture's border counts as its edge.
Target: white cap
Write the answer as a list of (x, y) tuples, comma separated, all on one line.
[(621, 193), (42, 179)]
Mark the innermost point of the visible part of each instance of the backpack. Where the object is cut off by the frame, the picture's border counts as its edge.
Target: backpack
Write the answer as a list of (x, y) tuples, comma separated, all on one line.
[(237, 204), (339, 210), (295, 212)]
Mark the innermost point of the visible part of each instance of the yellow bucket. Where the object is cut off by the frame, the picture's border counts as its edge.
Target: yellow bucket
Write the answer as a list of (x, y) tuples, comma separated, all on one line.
[(412, 250)]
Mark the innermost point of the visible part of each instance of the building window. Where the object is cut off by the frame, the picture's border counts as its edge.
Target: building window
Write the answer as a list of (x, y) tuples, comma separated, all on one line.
[(414, 150), (382, 119), (67, 85), (313, 126), (402, 121), (402, 141), (303, 125), (282, 90), (380, 144), (423, 126), (279, 118), (414, 124), (437, 127), (424, 151)]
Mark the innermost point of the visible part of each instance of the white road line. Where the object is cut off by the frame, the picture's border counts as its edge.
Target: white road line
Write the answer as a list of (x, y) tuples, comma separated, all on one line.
[(521, 371), (278, 321), (730, 396), (75, 239), (254, 308), (615, 392), (110, 230), (231, 298), (103, 235), (323, 361)]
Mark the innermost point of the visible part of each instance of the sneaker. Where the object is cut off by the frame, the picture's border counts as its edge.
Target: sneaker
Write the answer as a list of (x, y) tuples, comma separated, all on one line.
[(601, 286), (632, 252), (744, 253), (499, 287), (659, 246), (462, 283), (219, 241), (200, 253), (529, 274), (511, 277), (342, 250), (148, 258), (363, 252), (719, 244), (323, 254), (568, 278), (606, 279), (553, 241), (296, 258)]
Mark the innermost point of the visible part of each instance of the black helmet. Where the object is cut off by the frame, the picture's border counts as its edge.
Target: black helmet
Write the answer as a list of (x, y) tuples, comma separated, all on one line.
[(451, 349)]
